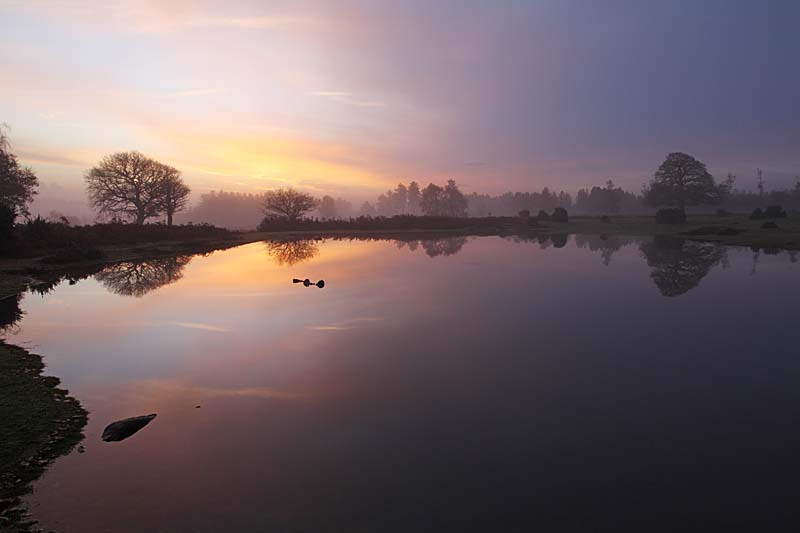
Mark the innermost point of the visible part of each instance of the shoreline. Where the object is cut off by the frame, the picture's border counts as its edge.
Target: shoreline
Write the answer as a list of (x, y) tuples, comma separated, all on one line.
[(41, 423), (19, 274)]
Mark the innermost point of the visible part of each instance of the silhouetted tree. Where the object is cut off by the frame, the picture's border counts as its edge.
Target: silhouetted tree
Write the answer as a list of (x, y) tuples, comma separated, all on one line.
[(682, 180), (291, 253), (432, 202), (400, 199), (18, 183), (414, 198), (137, 278), (174, 193), (678, 265), (327, 207), (288, 203), (454, 201), (128, 184)]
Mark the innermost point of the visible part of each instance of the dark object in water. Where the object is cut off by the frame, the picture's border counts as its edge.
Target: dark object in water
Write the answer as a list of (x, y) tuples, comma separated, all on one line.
[(122, 429), (307, 283)]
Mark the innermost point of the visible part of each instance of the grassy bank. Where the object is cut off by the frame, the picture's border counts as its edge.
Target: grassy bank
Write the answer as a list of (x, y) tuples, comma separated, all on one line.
[(40, 423)]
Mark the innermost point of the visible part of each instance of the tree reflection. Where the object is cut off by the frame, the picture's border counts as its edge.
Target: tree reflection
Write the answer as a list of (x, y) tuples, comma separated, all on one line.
[(607, 246), (446, 246), (290, 253), (140, 277), (678, 265), (10, 314)]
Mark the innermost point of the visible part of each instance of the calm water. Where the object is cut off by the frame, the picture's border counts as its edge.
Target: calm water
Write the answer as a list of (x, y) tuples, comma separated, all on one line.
[(466, 384)]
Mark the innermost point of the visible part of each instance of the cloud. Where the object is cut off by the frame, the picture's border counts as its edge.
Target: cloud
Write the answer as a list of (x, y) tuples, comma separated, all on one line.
[(203, 327), (200, 92), (347, 98)]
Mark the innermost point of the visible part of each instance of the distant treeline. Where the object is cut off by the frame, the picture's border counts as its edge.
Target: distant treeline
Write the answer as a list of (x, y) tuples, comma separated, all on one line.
[(237, 210)]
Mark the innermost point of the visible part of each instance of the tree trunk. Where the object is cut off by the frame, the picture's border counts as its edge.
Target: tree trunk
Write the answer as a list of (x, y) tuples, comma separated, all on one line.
[(169, 217), (140, 216)]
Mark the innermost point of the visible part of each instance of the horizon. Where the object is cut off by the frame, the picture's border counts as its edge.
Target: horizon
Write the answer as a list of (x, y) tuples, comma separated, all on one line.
[(353, 100)]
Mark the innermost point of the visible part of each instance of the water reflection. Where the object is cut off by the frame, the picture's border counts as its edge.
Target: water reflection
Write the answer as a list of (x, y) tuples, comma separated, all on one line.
[(495, 387), (10, 314), (678, 265), (137, 278), (292, 252), (606, 245)]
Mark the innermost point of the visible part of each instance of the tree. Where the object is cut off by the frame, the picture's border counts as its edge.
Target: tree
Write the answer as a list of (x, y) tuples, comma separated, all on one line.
[(432, 202), (400, 199), (454, 201), (174, 192), (760, 181), (682, 180), (367, 210), (127, 184), (413, 194), (288, 203), (18, 184), (327, 207)]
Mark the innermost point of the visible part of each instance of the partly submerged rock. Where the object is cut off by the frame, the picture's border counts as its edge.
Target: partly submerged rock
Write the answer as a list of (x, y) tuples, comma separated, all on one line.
[(122, 429)]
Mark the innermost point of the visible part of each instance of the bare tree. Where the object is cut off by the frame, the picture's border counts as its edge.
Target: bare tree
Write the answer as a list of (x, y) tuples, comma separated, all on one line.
[(288, 203), (174, 192), (127, 184)]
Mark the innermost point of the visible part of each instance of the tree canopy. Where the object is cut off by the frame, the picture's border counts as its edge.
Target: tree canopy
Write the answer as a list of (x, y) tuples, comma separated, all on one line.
[(18, 183), (682, 180), (134, 186), (288, 203)]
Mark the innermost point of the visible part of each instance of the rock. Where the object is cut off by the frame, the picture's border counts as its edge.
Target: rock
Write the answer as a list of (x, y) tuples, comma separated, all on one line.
[(122, 429)]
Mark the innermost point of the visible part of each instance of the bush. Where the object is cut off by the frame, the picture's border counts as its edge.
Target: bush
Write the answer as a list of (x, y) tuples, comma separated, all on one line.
[(543, 215), (605, 219), (757, 214), (769, 225), (7, 216), (560, 215), (774, 211), (670, 215), (524, 214), (723, 213)]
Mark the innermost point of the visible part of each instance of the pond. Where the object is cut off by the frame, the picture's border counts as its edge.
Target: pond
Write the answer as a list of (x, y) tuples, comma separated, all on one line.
[(459, 384)]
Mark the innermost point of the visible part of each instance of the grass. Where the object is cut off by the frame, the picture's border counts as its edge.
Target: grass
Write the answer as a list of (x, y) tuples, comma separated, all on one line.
[(40, 423)]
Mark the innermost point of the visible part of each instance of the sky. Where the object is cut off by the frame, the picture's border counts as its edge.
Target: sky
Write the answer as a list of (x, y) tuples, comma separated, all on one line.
[(351, 97)]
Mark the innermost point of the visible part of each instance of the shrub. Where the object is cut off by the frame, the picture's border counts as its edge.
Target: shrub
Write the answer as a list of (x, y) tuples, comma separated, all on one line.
[(7, 216), (670, 215), (723, 213), (524, 214), (606, 219), (543, 215), (757, 214), (560, 215), (774, 211), (769, 225)]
